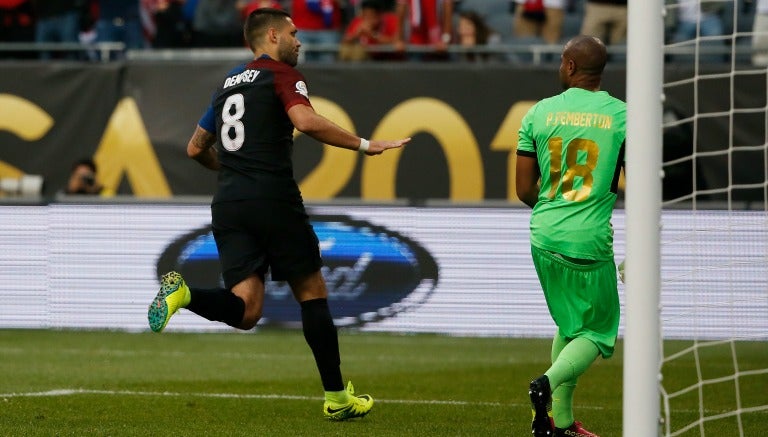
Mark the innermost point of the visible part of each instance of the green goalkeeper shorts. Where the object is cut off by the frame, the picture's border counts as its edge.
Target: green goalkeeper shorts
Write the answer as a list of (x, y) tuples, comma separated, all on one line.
[(583, 299)]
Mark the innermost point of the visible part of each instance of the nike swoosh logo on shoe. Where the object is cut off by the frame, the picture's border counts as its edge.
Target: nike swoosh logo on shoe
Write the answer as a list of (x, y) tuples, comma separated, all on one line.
[(334, 411)]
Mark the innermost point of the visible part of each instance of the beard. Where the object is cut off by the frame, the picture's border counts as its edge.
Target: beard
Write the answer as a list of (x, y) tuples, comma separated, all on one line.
[(288, 54)]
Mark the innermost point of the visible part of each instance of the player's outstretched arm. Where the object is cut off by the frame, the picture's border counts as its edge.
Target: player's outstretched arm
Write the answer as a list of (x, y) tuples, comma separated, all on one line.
[(200, 148), (306, 120), (377, 147)]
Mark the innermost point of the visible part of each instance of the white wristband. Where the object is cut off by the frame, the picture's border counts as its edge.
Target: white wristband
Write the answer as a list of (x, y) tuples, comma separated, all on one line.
[(364, 144)]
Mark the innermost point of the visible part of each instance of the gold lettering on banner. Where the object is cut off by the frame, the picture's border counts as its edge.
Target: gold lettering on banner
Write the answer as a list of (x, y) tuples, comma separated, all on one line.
[(125, 149), (9, 171), (432, 116), (506, 139), (25, 120), (337, 165)]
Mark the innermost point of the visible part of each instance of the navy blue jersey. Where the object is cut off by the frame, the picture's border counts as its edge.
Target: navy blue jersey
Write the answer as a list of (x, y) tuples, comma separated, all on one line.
[(249, 116)]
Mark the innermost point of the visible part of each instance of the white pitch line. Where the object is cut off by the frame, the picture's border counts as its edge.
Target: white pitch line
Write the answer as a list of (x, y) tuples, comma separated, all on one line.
[(70, 392)]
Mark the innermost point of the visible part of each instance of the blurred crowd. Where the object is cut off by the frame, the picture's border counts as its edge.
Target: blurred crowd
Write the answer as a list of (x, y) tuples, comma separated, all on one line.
[(353, 30)]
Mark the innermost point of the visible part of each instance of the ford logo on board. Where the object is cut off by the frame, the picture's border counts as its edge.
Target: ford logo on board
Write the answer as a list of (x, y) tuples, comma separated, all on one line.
[(371, 272)]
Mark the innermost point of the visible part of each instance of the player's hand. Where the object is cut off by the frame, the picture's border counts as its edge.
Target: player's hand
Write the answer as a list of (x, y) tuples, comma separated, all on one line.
[(377, 147), (621, 271)]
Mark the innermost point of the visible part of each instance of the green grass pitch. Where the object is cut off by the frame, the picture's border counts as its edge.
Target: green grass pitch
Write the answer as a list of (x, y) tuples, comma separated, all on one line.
[(264, 383)]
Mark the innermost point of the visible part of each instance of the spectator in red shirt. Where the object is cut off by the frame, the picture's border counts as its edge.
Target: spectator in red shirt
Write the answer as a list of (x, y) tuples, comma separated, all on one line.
[(319, 23), (373, 26), (429, 24)]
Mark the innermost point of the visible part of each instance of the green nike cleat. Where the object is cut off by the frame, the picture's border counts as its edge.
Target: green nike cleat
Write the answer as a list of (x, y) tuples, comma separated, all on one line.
[(173, 294), (358, 406)]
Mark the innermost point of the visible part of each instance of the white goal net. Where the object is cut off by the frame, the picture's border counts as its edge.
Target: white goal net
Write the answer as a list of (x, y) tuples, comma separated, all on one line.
[(714, 279)]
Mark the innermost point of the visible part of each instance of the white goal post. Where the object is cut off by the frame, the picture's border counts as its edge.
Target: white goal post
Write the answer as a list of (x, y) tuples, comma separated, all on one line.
[(642, 352), (695, 342)]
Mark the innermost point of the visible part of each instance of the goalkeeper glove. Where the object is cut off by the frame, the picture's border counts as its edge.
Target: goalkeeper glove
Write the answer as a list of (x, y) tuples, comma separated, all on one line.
[(621, 271)]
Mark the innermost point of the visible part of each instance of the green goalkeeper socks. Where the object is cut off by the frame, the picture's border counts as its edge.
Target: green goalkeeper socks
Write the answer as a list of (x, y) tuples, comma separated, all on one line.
[(572, 361), (562, 404)]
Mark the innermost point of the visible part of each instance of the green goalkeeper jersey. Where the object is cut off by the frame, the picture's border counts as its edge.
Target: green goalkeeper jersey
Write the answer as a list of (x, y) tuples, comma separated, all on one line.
[(578, 139)]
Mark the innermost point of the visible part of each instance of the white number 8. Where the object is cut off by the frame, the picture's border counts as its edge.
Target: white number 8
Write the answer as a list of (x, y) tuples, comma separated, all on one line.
[(232, 121)]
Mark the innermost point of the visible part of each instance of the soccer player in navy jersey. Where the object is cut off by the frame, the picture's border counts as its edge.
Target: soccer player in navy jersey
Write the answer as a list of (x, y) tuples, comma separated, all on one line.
[(258, 216), (569, 157)]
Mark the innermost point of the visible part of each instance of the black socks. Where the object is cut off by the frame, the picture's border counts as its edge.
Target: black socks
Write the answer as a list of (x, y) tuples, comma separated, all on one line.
[(222, 305), (321, 336), (217, 304)]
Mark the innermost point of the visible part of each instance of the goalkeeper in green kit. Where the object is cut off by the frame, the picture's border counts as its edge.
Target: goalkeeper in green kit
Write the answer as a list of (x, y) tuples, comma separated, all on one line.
[(574, 144)]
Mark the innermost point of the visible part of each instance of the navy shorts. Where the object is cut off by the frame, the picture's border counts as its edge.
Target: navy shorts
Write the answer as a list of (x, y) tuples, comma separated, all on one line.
[(256, 236)]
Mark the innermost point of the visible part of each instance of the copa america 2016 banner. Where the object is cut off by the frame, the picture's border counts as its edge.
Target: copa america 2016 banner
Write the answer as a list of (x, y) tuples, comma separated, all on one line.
[(406, 269), (135, 119)]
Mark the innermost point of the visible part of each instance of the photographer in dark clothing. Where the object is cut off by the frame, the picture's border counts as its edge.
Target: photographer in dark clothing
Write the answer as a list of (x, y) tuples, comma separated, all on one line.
[(82, 178)]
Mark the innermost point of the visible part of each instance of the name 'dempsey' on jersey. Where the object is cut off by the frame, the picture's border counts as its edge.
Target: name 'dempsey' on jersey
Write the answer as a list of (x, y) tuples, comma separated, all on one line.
[(246, 76)]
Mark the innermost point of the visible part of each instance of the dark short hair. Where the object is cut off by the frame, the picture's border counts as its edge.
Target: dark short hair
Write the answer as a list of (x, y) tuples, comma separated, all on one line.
[(259, 20), (88, 162)]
